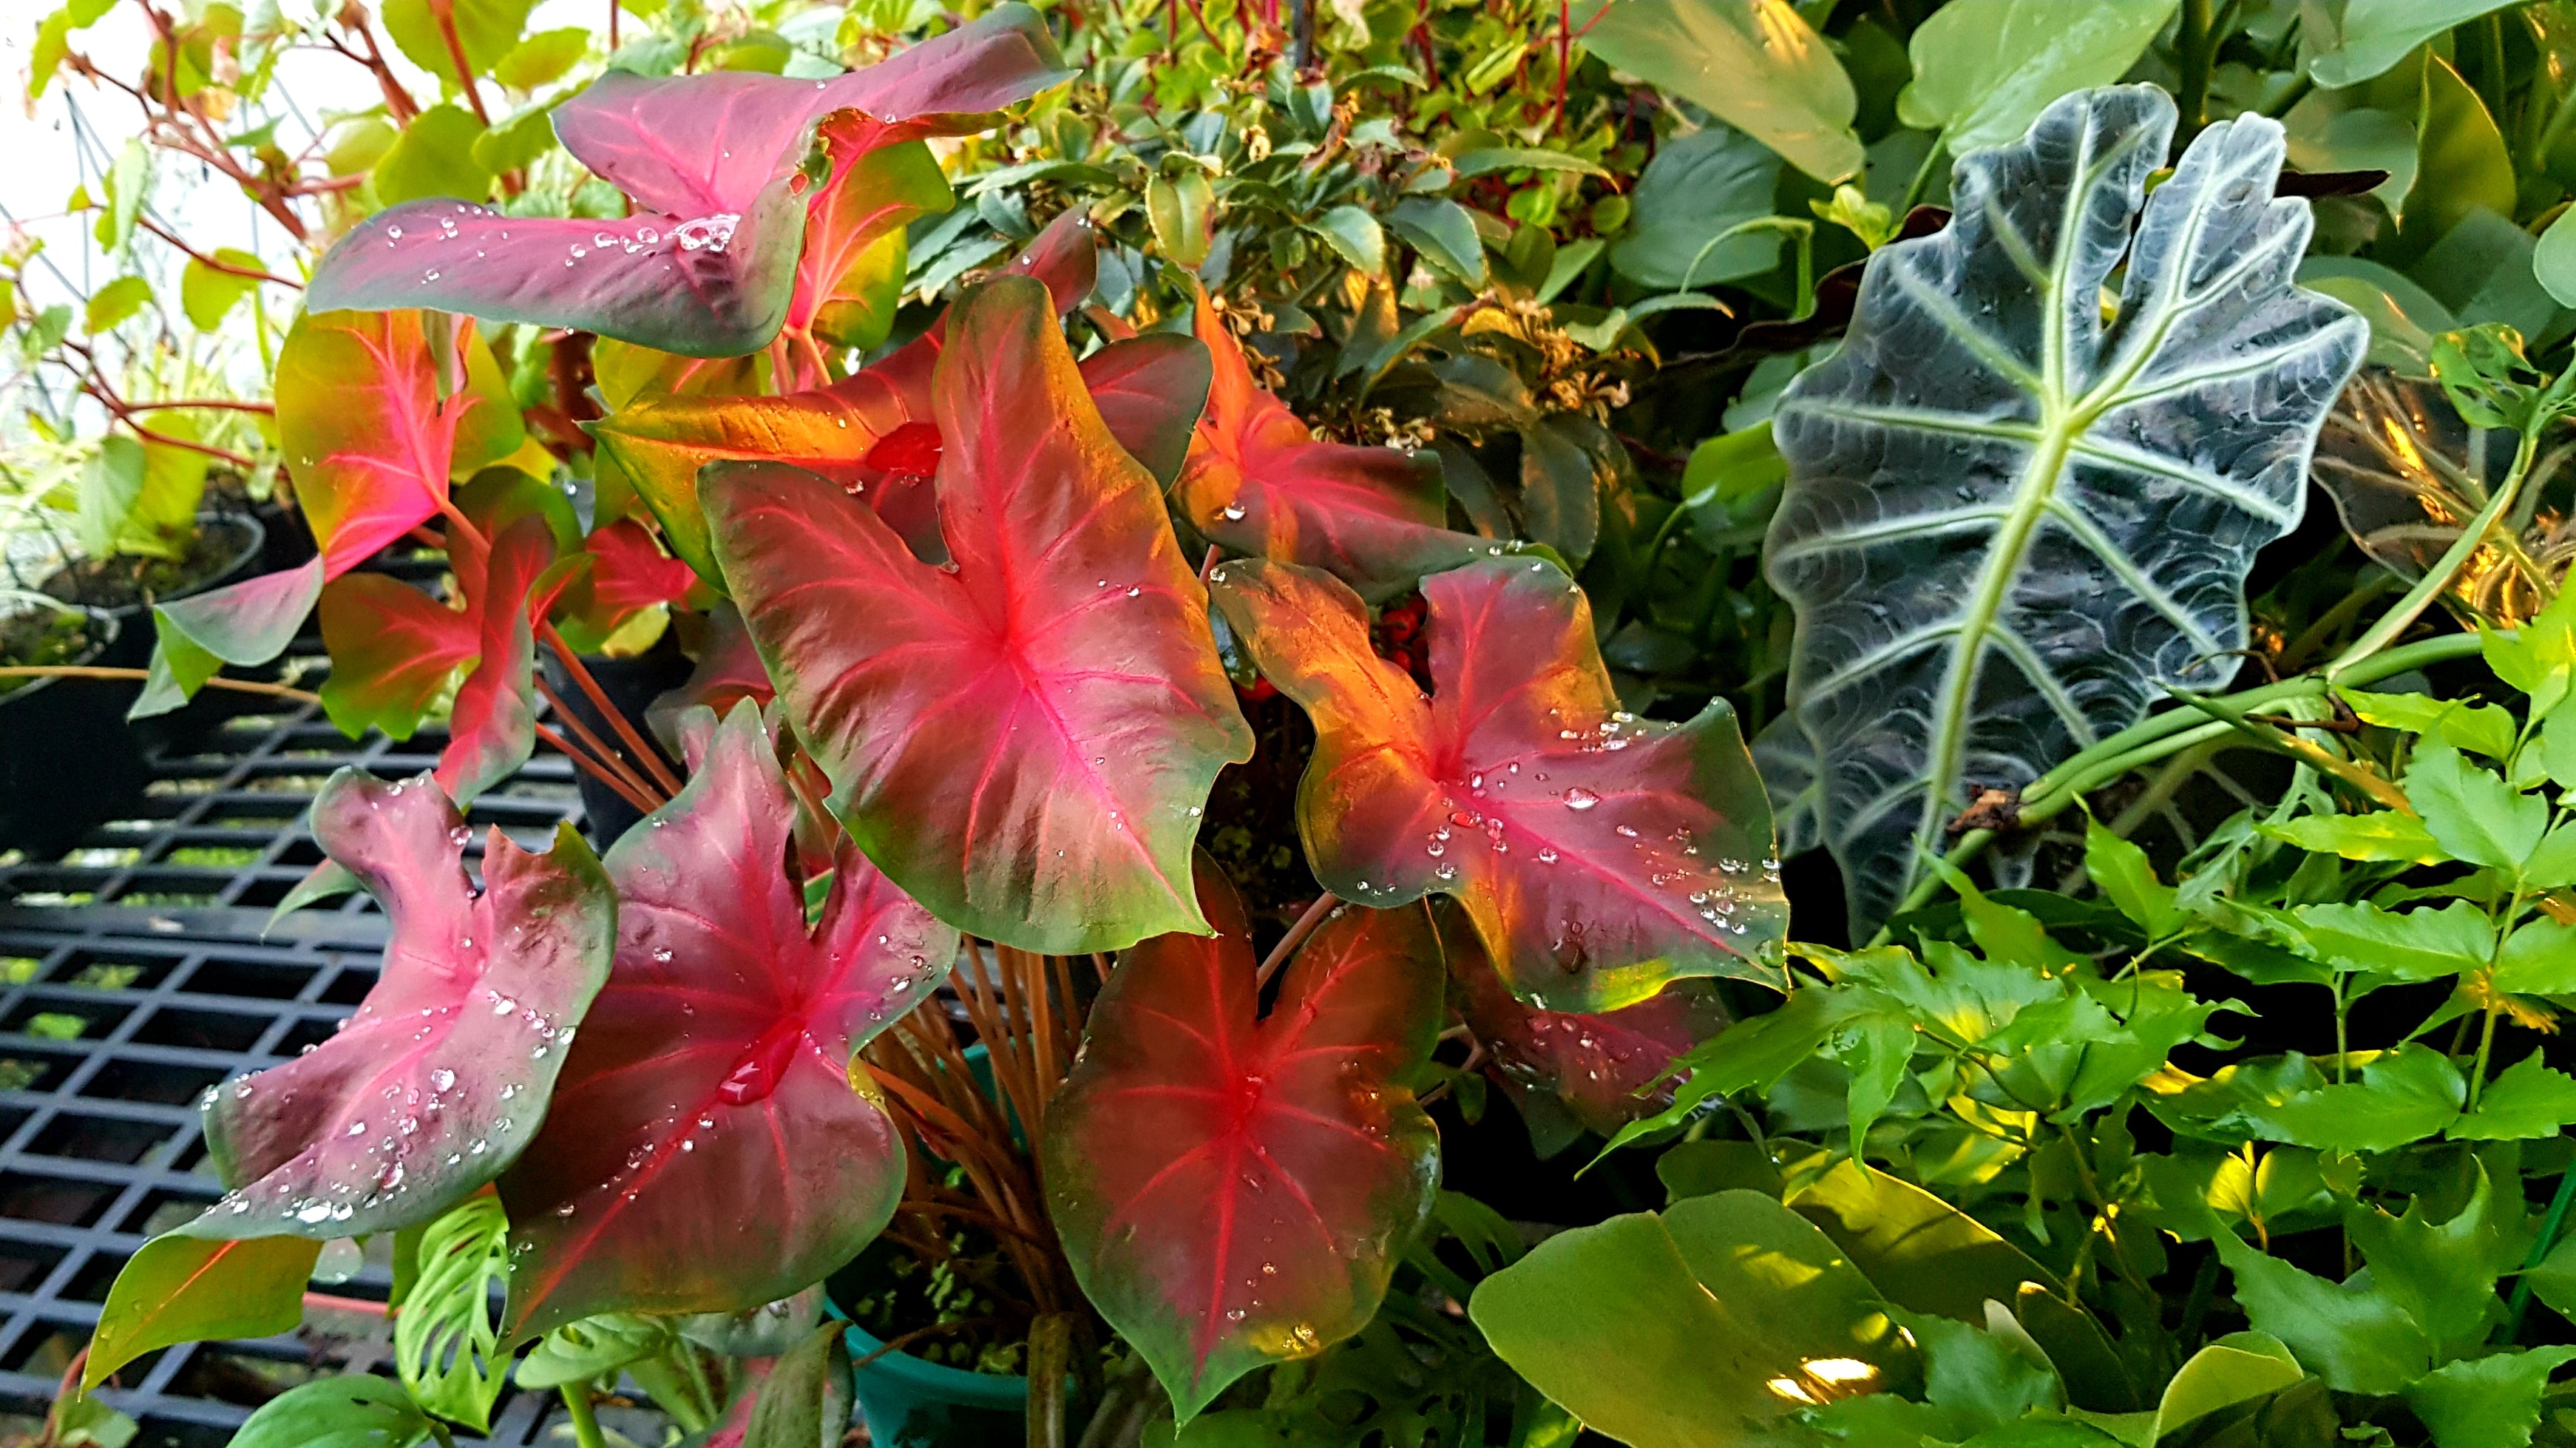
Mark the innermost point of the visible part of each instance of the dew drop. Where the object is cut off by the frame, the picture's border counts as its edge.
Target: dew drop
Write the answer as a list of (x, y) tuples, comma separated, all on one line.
[(1577, 797)]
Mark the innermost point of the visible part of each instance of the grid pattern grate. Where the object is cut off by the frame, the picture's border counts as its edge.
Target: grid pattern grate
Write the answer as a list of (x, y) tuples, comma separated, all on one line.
[(134, 973)]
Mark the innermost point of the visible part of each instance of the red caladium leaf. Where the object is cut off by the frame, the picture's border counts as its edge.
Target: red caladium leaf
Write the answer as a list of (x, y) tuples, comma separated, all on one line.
[(707, 265), (711, 1147), (660, 443), (1257, 482), (628, 574), (1604, 1069), (394, 648), (372, 431), (441, 1077), (492, 729), (728, 671), (1024, 740), (869, 190), (1600, 855), (1232, 1192)]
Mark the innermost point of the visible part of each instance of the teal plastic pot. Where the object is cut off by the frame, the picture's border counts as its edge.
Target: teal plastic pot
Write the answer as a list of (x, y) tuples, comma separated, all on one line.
[(909, 1403)]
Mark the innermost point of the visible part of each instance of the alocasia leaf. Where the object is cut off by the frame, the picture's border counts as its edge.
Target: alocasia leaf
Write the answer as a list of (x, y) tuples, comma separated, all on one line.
[(1234, 1192), (1258, 482), (660, 443), (2008, 522), (707, 264), (1024, 743), (1600, 855), (711, 1146), (1605, 1068), (441, 1077)]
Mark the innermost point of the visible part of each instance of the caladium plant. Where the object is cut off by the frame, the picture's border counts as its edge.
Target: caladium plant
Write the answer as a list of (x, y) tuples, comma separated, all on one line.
[(1025, 739), (1233, 1191), (713, 1144), (1600, 855), (715, 254)]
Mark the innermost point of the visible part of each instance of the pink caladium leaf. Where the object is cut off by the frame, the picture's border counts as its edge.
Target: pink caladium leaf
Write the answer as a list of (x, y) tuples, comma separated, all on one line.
[(869, 189), (441, 1077), (628, 574), (728, 671), (660, 443), (393, 651), (1600, 855), (712, 1146), (1605, 1070), (373, 423), (1025, 739), (1234, 1192), (1259, 483), (492, 729), (707, 264)]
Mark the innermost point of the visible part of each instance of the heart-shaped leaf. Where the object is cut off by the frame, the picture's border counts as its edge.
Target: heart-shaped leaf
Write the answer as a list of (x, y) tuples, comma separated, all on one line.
[(441, 1077), (393, 651), (185, 1288), (1258, 482), (372, 431), (1600, 855), (1024, 743), (661, 442), (1604, 1068), (1234, 1192), (492, 729), (707, 265), (711, 1147), (2009, 523)]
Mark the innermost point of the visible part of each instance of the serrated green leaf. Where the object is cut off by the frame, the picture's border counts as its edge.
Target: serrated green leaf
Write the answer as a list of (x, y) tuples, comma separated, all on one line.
[(2471, 812), (2357, 1338), (2488, 1402), (2485, 728), (2409, 945), (2123, 872), (2539, 958)]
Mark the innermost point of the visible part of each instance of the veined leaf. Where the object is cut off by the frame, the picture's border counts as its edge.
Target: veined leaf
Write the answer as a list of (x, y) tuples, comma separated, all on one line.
[(350, 1411), (441, 1077), (1258, 482), (185, 1288), (707, 265), (1234, 1192), (1608, 1069), (711, 1146), (447, 1346), (1985, 69), (1600, 855), (661, 442), (1024, 743), (2005, 527), (372, 432), (1755, 64)]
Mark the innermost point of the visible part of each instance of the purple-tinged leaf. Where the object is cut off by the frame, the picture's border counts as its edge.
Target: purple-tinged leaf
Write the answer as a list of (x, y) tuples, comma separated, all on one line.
[(492, 729), (1258, 482), (1234, 1192), (1606, 1069), (1600, 855), (711, 1146), (707, 265), (441, 1077), (1024, 743)]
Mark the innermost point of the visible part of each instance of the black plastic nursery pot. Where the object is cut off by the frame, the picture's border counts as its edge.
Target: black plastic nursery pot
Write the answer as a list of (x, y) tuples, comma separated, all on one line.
[(67, 759), (631, 684), (238, 554)]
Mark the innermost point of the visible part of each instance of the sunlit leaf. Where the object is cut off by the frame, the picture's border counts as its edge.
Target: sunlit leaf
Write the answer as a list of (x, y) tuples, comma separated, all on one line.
[(441, 1076), (1024, 743), (1599, 855), (1232, 1192), (2007, 524), (1985, 69), (1755, 64)]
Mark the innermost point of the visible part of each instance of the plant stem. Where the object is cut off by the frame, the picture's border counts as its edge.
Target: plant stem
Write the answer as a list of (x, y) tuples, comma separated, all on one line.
[(87, 671), (645, 754), (2437, 578), (585, 1427), (1922, 181), (2196, 47), (582, 760), (2540, 1245), (2486, 1044), (1296, 936), (2161, 736)]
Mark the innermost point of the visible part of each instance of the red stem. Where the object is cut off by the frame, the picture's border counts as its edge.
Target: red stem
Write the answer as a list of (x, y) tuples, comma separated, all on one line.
[(1296, 936)]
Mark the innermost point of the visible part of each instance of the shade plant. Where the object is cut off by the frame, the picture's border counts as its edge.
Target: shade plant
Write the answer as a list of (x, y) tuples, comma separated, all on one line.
[(1297, 573)]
